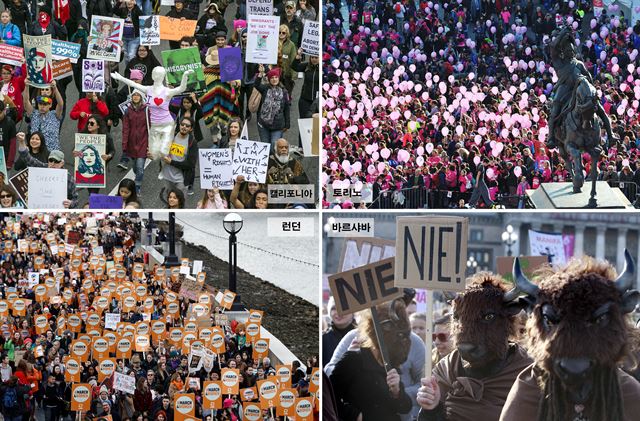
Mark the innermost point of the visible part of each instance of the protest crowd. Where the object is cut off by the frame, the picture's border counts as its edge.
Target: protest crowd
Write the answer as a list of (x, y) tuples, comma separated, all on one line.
[(198, 124), (90, 330), (445, 104)]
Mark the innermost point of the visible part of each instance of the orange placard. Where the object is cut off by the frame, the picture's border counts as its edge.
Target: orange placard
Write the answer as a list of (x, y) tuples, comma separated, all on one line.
[(100, 348), (253, 332), (251, 411), (106, 369), (248, 394), (261, 348), (304, 409), (124, 347), (184, 406), (174, 29), (72, 370), (80, 349), (217, 341), (255, 316), (283, 374), (81, 397), (212, 395), (227, 299), (142, 343), (268, 392), (230, 377), (314, 384), (42, 324), (285, 402)]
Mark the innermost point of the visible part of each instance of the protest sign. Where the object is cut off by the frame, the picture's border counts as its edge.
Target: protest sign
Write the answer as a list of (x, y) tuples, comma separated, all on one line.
[(251, 411), (3, 164), (80, 397), (72, 370), (124, 383), (150, 30), (260, 349), (362, 251), (20, 183), (283, 375), (61, 68), (267, 390), (65, 49), (259, 7), (184, 406), (248, 394), (190, 288), (93, 75), (230, 64), (262, 39), (173, 29), (37, 51), (106, 368), (431, 253), (251, 159), (285, 400), (229, 378), (305, 125), (103, 201), (311, 38), (216, 169), (212, 395), (111, 320), (364, 287), (89, 165), (195, 361), (48, 187), (10, 54), (304, 409), (176, 62), (104, 38)]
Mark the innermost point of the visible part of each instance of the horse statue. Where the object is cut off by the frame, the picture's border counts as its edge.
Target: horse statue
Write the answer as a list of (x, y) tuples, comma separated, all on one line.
[(575, 113)]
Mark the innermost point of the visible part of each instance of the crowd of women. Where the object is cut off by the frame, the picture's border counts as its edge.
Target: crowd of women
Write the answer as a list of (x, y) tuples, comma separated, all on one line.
[(33, 361), (223, 107), (426, 101)]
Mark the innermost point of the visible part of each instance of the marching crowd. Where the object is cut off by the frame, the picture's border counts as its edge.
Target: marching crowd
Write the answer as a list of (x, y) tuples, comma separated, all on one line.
[(262, 100), (428, 102), (39, 339)]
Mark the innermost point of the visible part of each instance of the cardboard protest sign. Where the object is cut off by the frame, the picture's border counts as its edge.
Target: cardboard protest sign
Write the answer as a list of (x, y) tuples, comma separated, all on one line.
[(268, 392), (285, 401), (176, 62), (124, 383), (48, 187), (528, 264), (20, 183), (61, 50), (251, 411), (304, 409), (311, 38), (260, 7), (216, 169), (80, 397), (364, 287), (184, 406), (212, 395), (93, 75), (248, 394), (431, 252), (61, 68), (173, 29), (103, 201), (37, 54), (251, 159), (262, 39), (150, 30), (111, 320), (104, 38), (230, 64), (361, 251), (11, 54), (230, 381), (89, 165)]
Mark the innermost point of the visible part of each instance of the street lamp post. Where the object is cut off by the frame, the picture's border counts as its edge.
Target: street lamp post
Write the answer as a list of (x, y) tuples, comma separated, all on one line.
[(232, 224), (509, 238), (172, 259), (472, 264)]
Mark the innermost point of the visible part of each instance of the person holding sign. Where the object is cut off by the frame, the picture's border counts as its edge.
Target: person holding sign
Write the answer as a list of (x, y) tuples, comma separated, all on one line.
[(273, 112), (160, 119), (86, 107), (178, 169), (56, 160), (135, 136), (310, 84), (44, 120), (130, 13)]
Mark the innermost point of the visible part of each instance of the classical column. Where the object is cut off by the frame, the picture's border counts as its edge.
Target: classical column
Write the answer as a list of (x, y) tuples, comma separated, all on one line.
[(600, 238), (578, 243), (621, 245)]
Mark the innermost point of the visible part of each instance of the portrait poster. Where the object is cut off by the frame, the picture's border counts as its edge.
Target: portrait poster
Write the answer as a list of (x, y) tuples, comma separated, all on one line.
[(150, 30), (93, 75), (230, 64), (38, 57), (176, 62), (89, 166), (105, 38), (262, 39)]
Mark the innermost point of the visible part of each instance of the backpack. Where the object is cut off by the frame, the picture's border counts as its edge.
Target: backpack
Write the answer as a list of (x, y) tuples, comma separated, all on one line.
[(10, 399)]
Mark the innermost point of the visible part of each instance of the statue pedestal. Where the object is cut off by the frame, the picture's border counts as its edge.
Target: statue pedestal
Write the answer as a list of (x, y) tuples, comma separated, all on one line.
[(561, 196)]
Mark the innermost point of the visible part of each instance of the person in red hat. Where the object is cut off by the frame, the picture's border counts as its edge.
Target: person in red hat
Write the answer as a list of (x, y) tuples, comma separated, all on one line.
[(273, 112)]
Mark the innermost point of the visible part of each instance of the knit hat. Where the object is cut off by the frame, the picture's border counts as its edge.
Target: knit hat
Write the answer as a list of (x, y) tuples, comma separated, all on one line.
[(239, 23), (103, 389), (136, 74), (275, 72), (228, 403)]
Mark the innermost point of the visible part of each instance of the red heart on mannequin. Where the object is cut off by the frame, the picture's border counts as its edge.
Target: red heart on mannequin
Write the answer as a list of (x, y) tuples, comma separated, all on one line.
[(158, 101)]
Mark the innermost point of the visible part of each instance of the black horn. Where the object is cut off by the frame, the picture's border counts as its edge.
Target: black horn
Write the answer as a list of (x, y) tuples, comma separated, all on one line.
[(393, 313), (522, 283), (625, 280), (511, 295)]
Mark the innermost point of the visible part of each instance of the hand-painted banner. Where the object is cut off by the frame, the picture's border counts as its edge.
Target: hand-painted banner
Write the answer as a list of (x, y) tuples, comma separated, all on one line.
[(150, 30), (216, 169), (39, 59), (176, 62), (105, 39), (230, 64), (89, 165), (311, 38), (250, 159), (262, 39), (173, 29), (93, 75)]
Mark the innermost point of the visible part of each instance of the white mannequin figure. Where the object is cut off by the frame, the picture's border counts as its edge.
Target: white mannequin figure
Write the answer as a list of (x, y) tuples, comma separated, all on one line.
[(161, 123)]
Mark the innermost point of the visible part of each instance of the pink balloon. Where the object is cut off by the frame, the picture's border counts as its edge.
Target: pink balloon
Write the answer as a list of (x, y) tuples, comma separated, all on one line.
[(459, 130), (357, 167), (445, 131), (429, 148), (517, 171), (403, 156), (375, 156), (334, 166), (371, 169), (385, 153), (407, 114), (381, 167), (476, 160), (490, 172)]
